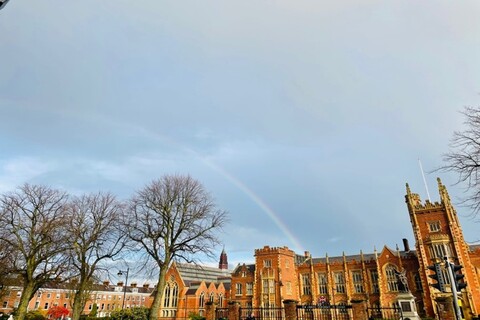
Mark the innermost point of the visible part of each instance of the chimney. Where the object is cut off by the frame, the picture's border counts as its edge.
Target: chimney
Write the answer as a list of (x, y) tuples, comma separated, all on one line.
[(120, 283), (307, 254), (106, 283), (133, 285), (405, 245), (146, 285)]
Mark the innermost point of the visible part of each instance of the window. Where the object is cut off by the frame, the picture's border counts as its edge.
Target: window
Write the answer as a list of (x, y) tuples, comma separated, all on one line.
[(271, 286), (244, 274), (434, 226), (58, 296), (306, 286), (46, 306), (90, 306), (418, 281), (267, 263), (374, 279), (39, 294), (322, 283), (357, 281), (212, 297), (339, 282), (220, 300), (201, 302), (135, 290), (392, 283), (37, 304), (5, 304), (265, 285), (439, 250), (249, 289), (49, 295), (238, 289)]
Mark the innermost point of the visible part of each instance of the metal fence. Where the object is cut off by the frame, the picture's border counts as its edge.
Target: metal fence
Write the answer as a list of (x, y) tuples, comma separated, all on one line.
[(324, 312), (270, 313), (390, 313)]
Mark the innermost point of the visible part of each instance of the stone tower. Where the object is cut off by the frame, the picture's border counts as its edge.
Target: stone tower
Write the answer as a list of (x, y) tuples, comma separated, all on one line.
[(437, 235)]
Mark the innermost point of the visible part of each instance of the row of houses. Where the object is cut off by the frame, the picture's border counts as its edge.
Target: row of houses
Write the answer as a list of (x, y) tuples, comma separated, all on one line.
[(280, 274)]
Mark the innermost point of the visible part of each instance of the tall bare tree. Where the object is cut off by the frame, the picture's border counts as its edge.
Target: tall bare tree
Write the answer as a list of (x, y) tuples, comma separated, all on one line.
[(32, 226), (98, 238), (464, 157), (173, 218)]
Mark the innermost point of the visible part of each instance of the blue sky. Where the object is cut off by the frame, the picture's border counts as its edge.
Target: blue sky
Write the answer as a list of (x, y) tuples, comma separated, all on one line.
[(304, 119)]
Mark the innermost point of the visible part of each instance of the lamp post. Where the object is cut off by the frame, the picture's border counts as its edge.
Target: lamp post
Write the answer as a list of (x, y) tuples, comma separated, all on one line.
[(120, 273)]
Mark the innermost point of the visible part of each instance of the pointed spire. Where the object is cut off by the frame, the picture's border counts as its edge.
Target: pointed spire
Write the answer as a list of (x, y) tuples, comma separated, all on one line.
[(408, 189), (223, 263)]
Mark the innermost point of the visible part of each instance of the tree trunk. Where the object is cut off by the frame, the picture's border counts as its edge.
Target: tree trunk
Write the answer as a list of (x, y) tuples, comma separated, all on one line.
[(78, 302), (157, 300), (27, 294)]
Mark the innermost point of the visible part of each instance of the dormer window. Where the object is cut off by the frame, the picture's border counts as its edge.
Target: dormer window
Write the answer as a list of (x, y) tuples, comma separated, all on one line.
[(135, 290), (434, 226), (118, 289)]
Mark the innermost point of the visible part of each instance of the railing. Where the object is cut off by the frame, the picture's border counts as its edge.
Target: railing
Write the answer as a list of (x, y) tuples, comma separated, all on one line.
[(390, 313), (324, 312), (266, 313)]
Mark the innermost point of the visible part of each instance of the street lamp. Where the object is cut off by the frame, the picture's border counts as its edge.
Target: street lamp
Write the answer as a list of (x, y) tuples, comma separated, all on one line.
[(120, 273)]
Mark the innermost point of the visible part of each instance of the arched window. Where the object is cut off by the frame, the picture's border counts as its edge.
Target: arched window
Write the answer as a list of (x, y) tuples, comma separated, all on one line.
[(220, 300), (212, 297), (201, 302), (166, 296), (392, 283), (175, 295)]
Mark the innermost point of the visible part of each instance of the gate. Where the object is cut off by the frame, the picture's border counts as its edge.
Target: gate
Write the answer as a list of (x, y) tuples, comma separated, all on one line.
[(324, 312), (390, 313)]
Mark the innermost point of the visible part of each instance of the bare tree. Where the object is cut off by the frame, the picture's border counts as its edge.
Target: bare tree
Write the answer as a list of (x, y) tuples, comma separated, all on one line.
[(464, 157), (32, 227), (173, 218), (95, 231)]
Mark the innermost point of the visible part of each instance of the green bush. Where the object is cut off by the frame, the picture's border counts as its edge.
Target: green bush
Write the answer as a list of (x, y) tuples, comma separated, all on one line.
[(195, 316), (35, 315), (135, 313)]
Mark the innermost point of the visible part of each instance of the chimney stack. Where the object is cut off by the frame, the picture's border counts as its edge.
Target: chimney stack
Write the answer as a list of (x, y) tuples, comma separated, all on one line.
[(405, 245)]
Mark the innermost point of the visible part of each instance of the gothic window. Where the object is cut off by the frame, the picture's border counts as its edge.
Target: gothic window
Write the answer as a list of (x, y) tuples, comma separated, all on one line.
[(307, 290), (322, 283), (212, 297), (374, 279), (339, 282), (220, 300), (175, 295), (201, 301), (166, 296), (170, 295), (357, 281), (392, 283)]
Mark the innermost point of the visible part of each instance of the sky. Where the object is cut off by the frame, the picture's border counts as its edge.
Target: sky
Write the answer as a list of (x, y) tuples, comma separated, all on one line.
[(304, 119)]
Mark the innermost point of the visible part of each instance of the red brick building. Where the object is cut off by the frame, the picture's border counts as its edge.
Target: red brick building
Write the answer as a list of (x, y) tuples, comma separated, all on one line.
[(279, 274)]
